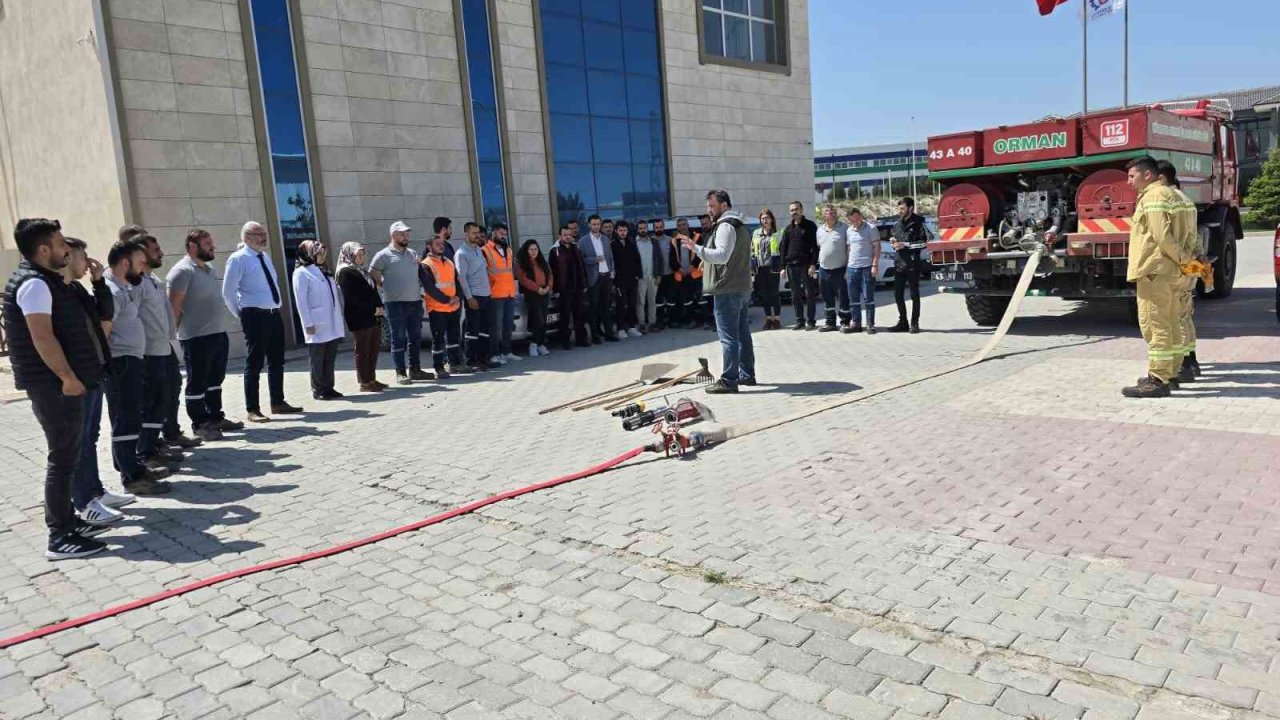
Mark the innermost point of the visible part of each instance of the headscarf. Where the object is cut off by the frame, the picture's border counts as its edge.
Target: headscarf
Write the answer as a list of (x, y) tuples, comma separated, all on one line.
[(347, 258), (307, 251)]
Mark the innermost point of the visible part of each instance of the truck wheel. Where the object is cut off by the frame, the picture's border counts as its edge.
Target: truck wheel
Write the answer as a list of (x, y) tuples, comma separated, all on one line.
[(1224, 270), (986, 310)]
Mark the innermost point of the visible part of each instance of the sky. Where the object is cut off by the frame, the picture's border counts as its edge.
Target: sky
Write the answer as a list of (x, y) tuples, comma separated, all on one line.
[(878, 63)]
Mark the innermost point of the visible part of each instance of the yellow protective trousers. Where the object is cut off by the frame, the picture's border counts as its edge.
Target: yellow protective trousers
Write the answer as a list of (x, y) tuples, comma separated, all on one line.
[(1187, 312), (1159, 317)]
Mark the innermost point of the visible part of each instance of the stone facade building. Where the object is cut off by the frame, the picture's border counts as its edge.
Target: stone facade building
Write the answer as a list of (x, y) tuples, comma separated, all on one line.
[(332, 118)]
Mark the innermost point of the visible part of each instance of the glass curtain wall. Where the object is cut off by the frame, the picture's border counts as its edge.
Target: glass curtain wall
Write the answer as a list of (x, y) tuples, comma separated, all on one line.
[(286, 138), (604, 102), (486, 128)]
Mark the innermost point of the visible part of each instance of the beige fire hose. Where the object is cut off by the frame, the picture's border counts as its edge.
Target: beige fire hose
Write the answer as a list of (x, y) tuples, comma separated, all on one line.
[(1024, 282)]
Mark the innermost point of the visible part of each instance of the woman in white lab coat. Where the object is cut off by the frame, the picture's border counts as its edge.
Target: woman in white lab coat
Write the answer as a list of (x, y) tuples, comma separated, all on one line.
[(316, 297)]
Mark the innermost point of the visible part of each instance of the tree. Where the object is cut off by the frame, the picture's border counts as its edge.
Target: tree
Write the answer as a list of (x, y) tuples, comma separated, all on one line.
[(1263, 198)]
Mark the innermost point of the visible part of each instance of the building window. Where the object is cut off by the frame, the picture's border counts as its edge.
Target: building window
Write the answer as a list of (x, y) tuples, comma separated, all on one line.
[(485, 125), (744, 32), (604, 105), (286, 139)]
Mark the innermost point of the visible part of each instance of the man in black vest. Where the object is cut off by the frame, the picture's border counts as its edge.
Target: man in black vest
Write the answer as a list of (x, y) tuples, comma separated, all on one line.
[(909, 239), (725, 255), (55, 353)]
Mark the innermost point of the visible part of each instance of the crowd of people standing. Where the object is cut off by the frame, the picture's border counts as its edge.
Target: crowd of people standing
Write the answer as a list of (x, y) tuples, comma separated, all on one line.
[(129, 336)]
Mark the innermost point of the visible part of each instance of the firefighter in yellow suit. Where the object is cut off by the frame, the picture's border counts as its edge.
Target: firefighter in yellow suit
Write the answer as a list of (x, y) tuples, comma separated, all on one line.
[(1156, 255), (1190, 367)]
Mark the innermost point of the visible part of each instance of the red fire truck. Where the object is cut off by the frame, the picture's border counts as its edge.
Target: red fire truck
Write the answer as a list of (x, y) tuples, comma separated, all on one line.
[(1062, 182)]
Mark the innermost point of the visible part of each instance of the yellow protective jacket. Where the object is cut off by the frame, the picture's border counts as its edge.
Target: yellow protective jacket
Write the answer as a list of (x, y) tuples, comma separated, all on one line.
[(1156, 240), (1190, 230)]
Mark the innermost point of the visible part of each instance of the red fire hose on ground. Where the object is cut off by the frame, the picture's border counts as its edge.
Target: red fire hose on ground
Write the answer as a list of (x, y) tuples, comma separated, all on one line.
[(299, 559)]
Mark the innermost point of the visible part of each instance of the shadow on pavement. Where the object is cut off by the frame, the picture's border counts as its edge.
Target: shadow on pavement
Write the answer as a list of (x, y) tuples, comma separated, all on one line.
[(218, 463), (182, 534), (1247, 380), (338, 415), (803, 389), (203, 492)]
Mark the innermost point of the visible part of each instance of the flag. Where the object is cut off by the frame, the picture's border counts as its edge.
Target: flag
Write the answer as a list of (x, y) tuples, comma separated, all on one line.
[(1098, 9), (1047, 6)]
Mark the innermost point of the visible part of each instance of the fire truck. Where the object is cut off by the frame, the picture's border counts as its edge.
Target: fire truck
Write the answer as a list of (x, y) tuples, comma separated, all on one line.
[(1062, 182)]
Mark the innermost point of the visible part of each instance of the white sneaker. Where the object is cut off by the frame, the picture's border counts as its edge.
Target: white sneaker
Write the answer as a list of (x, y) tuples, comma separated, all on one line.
[(99, 515), (497, 361), (543, 349), (510, 357), (533, 350), (635, 333), (622, 334), (117, 500)]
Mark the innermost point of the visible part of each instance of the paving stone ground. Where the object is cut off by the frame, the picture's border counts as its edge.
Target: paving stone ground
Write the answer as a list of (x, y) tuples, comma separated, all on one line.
[(1010, 541)]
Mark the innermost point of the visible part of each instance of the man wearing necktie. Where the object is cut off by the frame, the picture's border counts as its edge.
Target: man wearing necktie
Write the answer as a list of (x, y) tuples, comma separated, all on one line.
[(251, 292)]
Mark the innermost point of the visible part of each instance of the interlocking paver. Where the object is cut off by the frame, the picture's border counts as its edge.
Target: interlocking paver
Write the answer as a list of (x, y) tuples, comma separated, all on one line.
[(863, 576)]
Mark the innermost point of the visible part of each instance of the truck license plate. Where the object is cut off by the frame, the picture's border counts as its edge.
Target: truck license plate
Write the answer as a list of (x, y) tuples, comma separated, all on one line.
[(953, 275)]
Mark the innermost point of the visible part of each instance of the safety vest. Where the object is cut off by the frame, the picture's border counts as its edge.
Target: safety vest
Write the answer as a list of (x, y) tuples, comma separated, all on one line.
[(446, 282), (502, 282)]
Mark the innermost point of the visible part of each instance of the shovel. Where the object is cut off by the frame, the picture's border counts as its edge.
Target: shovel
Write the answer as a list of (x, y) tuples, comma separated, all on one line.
[(648, 374), (702, 374)]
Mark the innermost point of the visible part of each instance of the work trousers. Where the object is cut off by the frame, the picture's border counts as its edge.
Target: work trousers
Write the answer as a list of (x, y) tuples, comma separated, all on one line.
[(1158, 317), (573, 315), (906, 275), (502, 319), (155, 402), (766, 287), (835, 295), (804, 294), (87, 484), (1187, 313), (666, 294), (205, 358), (683, 302), (535, 313), (446, 343), (862, 294), (173, 396), (625, 303), (62, 420), (646, 302), (478, 325), (264, 343), (322, 356), (733, 326), (405, 320), (124, 407), (600, 307), (366, 353)]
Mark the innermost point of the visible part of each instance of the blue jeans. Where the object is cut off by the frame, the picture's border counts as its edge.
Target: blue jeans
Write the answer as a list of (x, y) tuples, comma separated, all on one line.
[(405, 319), (862, 293), (733, 326), (502, 316), (86, 485)]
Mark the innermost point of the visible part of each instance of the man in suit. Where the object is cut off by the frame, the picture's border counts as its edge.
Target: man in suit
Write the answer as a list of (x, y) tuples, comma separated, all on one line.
[(598, 256)]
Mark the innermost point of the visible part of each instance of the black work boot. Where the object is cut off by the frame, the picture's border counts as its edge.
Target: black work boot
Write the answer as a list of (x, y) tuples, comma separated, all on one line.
[(902, 326), (1147, 387), (1191, 359), (1186, 374)]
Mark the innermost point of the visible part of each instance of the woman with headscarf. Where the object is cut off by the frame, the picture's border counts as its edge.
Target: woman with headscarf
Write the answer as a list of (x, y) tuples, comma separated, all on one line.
[(362, 308), (316, 298)]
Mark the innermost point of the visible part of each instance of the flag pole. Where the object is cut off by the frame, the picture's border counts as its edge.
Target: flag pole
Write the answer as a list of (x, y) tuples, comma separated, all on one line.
[(1126, 53), (1084, 32)]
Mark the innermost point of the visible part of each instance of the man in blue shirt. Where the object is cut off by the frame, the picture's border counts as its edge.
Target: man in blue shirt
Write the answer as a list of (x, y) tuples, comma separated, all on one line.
[(251, 292)]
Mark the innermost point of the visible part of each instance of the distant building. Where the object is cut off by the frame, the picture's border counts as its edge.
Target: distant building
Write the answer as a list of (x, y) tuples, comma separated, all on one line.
[(869, 170)]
